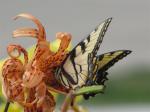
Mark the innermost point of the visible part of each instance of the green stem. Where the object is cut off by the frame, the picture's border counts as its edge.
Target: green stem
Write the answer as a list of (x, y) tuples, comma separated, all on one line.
[(89, 89), (7, 106)]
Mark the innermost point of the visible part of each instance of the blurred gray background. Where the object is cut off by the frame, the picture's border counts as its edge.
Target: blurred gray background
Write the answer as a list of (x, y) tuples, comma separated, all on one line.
[(130, 29)]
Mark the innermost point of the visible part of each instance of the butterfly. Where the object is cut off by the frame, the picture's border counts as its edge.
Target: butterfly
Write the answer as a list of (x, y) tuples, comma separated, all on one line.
[(83, 67)]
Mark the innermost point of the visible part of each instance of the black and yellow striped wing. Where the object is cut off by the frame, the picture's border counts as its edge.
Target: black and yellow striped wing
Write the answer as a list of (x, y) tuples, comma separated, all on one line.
[(103, 63), (74, 70)]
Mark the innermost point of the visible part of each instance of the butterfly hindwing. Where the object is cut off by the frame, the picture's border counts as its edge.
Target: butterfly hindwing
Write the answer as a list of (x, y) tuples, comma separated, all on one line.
[(103, 63), (107, 60), (75, 67)]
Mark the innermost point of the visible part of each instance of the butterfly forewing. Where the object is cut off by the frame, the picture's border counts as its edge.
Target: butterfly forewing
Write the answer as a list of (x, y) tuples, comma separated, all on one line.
[(75, 67)]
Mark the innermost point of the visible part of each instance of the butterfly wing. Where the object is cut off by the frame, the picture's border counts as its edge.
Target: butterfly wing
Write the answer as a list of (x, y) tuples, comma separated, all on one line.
[(74, 69), (103, 63), (107, 60)]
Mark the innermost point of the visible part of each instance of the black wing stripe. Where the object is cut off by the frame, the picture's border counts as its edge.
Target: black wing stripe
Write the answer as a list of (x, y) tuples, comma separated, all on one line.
[(68, 76)]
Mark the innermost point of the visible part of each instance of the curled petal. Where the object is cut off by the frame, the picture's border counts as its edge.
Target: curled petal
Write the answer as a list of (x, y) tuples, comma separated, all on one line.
[(26, 32), (14, 51), (41, 29)]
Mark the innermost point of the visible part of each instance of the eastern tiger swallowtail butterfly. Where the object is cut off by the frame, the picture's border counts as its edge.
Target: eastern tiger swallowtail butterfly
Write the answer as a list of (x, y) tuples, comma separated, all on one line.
[(82, 66)]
